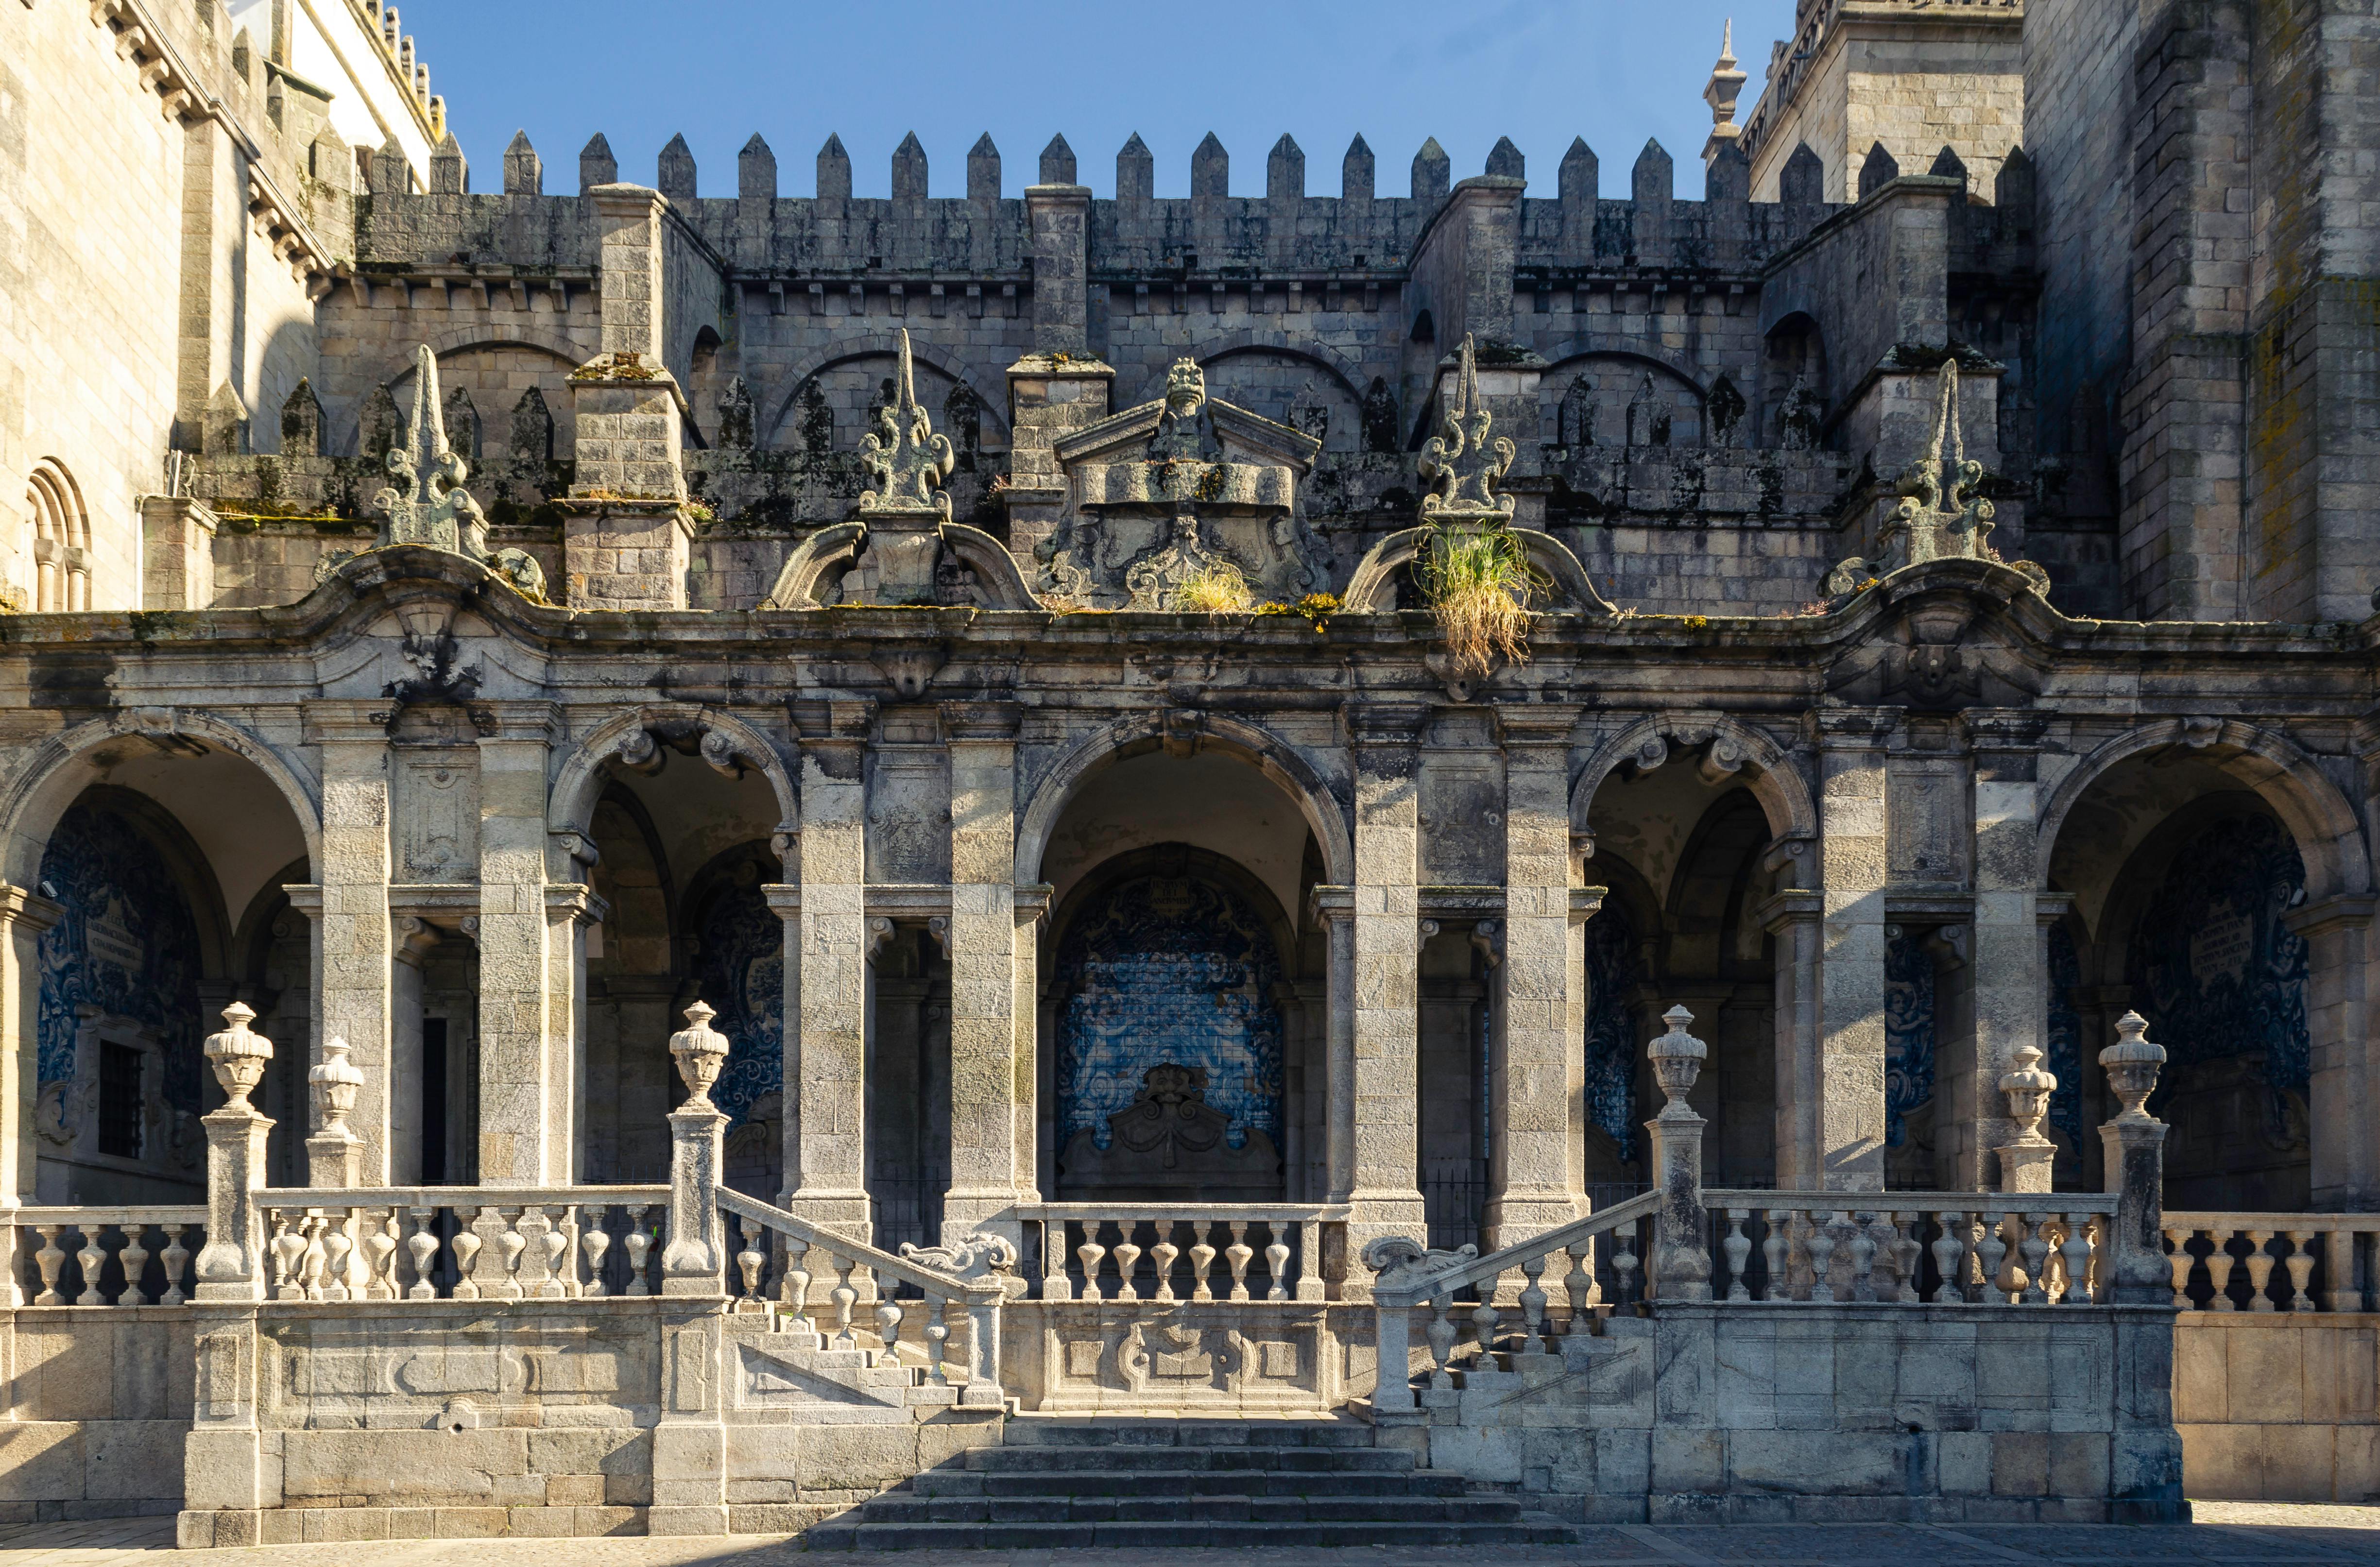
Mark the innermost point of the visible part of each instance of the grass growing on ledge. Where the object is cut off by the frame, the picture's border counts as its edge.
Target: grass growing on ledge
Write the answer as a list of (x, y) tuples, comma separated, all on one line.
[(1217, 590), (1479, 582)]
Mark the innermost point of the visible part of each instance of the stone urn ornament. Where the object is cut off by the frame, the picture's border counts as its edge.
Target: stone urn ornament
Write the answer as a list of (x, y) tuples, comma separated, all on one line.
[(337, 1080), (700, 1050), (239, 1056), (1677, 1057), (2028, 1088), (2132, 1064)]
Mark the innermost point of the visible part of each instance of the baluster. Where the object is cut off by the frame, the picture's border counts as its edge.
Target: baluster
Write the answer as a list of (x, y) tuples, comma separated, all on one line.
[(1623, 1264), (1821, 1245), (2033, 1243), (554, 1242), (1277, 1260), (1483, 1322), (382, 1233), (2299, 1266), (1863, 1257), (1162, 1254), (1737, 1248), (1055, 1285), (514, 1244), (135, 1258), (1090, 1251), (1579, 1285), (2340, 1289), (846, 1297), (638, 1241), (749, 1261), (467, 1243), (888, 1320), (938, 1333), (311, 1263), (177, 1258), (287, 1246), (92, 1259), (2181, 1261), (1238, 1254), (1127, 1257), (421, 1246), (1440, 1334), (794, 1289), (594, 1242), (2075, 1249), (336, 1245), (1202, 1261), (51, 1259), (1307, 1285), (1908, 1256), (2260, 1269), (1950, 1259), (1533, 1307), (1773, 1246), (1991, 1247), (2219, 1266)]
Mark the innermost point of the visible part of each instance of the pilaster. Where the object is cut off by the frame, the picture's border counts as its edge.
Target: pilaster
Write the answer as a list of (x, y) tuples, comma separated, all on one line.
[(528, 1067), (24, 916), (2011, 1000), (992, 1046), (1852, 866), (1385, 1194), (350, 909), (827, 1168), (2345, 1139), (1793, 916)]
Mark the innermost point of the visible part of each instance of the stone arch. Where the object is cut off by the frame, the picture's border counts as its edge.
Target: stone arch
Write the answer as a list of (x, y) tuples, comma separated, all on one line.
[(580, 784), (1344, 370), (1282, 764), (777, 403), (1783, 794), (63, 766), (2329, 833), (398, 371), (1372, 588), (60, 544), (1619, 392)]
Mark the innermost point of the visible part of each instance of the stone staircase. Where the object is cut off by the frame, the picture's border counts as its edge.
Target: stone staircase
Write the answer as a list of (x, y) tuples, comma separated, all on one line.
[(1112, 1482)]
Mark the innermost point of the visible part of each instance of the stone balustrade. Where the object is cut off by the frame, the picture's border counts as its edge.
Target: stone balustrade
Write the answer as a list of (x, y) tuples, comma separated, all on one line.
[(441, 1243), (104, 1256), (2226, 1261), (1935, 1248), (1164, 1255)]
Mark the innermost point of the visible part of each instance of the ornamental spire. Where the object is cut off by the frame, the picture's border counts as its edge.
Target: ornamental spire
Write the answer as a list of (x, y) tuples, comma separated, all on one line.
[(429, 506), (1460, 463), (907, 461)]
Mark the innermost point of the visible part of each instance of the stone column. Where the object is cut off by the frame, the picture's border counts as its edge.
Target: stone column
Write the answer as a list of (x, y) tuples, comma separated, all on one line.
[(351, 919), (1529, 1186), (1385, 1191), (569, 911), (25, 916), (526, 1065), (2345, 1134), (1681, 1261), (827, 1075), (786, 902), (1850, 1086), (992, 1054), (2009, 997), (1333, 908), (1792, 916)]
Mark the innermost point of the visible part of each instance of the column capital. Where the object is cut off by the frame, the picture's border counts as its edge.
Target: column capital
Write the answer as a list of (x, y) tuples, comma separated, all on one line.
[(982, 723), (1535, 724), (1384, 727), (537, 721), (2340, 911), (832, 720), (1847, 728), (1335, 904), (784, 901), (36, 913), (1033, 903), (339, 720), (574, 903), (2002, 729)]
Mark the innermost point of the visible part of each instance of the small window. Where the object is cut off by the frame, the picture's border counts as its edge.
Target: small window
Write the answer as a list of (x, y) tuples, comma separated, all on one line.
[(119, 1100)]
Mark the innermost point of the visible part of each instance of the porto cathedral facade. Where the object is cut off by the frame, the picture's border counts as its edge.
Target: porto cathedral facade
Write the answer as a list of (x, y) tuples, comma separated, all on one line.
[(469, 617)]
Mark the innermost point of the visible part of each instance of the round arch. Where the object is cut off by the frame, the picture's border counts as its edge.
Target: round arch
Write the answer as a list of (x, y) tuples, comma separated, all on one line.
[(1784, 795), (1591, 349), (580, 784), (446, 344), (1346, 371), (1285, 767), (2329, 835), (63, 766), (777, 403)]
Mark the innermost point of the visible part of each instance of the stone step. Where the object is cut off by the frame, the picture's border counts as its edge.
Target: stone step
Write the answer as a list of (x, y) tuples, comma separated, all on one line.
[(1061, 1430), (1143, 1459), (841, 1535), (1207, 1508), (1185, 1482)]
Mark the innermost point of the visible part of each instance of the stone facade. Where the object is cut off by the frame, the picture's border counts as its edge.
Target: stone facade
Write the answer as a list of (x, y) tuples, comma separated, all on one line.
[(996, 654)]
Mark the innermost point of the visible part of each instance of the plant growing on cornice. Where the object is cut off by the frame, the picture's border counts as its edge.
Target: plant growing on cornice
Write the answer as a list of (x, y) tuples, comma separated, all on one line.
[(1479, 582), (1219, 590)]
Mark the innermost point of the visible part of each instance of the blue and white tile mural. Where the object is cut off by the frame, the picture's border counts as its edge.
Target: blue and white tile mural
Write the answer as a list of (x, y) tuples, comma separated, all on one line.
[(1611, 1029), (1168, 968), (2212, 967), (128, 946), (2065, 1051), (1908, 1032), (739, 967)]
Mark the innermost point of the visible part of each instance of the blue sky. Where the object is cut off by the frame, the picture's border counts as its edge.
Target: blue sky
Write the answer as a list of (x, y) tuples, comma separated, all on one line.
[(1615, 71)]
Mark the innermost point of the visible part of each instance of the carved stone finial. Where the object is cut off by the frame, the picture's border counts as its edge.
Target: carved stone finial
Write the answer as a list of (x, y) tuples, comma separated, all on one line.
[(700, 1050), (337, 1079), (906, 461), (1677, 1058), (429, 506), (2028, 1088), (1460, 463), (238, 1056), (2132, 1062)]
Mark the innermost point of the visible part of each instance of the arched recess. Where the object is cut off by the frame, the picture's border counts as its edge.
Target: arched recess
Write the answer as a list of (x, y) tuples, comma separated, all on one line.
[(726, 741), (1343, 371), (59, 549), (736, 963), (1170, 960), (1793, 353), (1210, 733), (486, 362), (1733, 746), (1372, 588), (777, 403), (635, 976), (1613, 379)]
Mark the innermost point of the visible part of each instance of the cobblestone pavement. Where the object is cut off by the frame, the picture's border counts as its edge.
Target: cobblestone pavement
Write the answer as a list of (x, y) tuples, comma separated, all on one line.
[(2227, 1532)]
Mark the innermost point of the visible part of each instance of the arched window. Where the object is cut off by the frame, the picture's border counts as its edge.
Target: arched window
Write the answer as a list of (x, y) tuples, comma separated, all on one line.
[(60, 545)]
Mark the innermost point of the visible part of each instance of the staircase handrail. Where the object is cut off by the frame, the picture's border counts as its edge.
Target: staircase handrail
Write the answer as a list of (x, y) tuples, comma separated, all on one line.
[(883, 1264), (1452, 1276)]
